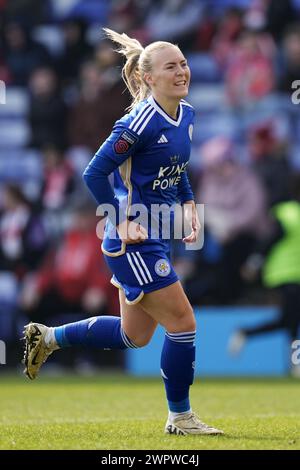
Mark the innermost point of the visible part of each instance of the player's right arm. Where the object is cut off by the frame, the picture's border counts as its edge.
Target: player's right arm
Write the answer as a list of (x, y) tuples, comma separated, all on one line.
[(115, 150)]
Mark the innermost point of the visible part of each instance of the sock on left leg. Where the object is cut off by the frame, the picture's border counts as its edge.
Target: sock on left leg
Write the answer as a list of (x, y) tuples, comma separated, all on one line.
[(177, 369)]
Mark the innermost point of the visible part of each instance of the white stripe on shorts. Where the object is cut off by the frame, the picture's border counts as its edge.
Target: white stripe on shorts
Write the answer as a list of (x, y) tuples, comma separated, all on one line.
[(140, 268), (145, 266), (134, 269)]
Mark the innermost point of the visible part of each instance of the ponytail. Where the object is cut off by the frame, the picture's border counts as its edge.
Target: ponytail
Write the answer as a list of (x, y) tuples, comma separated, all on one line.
[(132, 49)]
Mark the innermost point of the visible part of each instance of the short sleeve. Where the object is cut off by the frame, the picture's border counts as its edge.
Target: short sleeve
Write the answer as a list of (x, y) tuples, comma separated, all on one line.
[(120, 145)]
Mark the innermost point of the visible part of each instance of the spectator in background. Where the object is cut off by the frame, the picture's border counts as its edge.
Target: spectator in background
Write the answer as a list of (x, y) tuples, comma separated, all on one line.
[(84, 121), (72, 279), (58, 190), (3, 6), (250, 74), (22, 236), (22, 54), (99, 104), (174, 20), (278, 257), (279, 14), (76, 50), (115, 98), (228, 31), (58, 179), (4, 71), (47, 112), (290, 69), (235, 213), (270, 162), (108, 64), (32, 12), (129, 15), (5, 74)]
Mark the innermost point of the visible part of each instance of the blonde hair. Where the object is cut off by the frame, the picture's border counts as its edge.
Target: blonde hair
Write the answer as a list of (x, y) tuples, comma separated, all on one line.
[(138, 62)]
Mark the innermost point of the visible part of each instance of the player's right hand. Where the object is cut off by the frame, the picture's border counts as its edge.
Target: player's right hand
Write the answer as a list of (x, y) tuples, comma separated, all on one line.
[(130, 232)]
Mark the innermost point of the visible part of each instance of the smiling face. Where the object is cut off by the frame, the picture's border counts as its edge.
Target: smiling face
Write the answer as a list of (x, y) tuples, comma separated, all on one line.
[(170, 75)]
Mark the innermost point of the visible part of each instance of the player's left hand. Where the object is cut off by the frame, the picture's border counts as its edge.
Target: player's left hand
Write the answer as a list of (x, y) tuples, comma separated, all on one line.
[(191, 215)]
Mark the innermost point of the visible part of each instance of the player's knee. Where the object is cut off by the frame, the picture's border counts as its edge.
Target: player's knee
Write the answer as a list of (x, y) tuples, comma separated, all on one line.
[(182, 321), (188, 324), (141, 340)]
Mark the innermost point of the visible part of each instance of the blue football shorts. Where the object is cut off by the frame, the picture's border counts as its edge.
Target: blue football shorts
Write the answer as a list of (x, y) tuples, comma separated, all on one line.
[(138, 272)]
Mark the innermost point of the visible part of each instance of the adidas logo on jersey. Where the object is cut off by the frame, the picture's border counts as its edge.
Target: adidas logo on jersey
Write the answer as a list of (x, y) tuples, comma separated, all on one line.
[(162, 140)]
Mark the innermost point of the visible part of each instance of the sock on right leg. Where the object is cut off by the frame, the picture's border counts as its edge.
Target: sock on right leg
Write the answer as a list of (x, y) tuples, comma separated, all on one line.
[(104, 332)]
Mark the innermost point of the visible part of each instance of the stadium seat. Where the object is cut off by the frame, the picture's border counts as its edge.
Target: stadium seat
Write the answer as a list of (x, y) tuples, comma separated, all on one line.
[(51, 37), (14, 128), (208, 125), (17, 102), (295, 156), (204, 68), (91, 10), (206, 97), (23, 167)]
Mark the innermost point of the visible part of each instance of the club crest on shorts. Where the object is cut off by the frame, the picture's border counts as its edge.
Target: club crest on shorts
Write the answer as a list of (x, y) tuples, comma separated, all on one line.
[(124, 142), (162, 267)]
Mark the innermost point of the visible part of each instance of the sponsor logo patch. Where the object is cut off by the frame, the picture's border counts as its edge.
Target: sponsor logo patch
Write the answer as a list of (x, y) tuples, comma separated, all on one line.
[(162, 267), (124, 142)]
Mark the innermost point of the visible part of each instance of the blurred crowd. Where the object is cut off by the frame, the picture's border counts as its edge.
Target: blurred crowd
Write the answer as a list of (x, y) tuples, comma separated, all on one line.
[(63, 94)]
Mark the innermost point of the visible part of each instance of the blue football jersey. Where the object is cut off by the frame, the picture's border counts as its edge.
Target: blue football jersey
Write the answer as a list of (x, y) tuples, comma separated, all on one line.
[(148, 153)]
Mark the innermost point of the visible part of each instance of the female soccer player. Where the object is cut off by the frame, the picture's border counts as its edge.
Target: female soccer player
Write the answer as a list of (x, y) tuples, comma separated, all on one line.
[(147, 151)]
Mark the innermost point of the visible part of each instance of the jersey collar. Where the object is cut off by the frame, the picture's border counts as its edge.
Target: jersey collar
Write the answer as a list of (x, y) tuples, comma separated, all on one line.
[(168, 118)]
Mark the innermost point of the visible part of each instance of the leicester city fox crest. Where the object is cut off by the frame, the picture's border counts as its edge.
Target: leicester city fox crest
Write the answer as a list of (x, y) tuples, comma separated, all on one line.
[(162, 267)]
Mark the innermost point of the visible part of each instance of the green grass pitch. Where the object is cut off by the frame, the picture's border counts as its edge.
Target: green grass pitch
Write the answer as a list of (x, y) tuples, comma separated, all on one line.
[(119, 412)]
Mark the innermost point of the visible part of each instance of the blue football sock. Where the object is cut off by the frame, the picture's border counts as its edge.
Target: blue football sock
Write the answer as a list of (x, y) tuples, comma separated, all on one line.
[(101, 332), (177, 369)]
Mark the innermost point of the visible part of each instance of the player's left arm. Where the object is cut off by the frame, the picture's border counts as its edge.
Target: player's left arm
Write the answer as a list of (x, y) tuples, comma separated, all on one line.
[(186, 198), (191, 216)]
